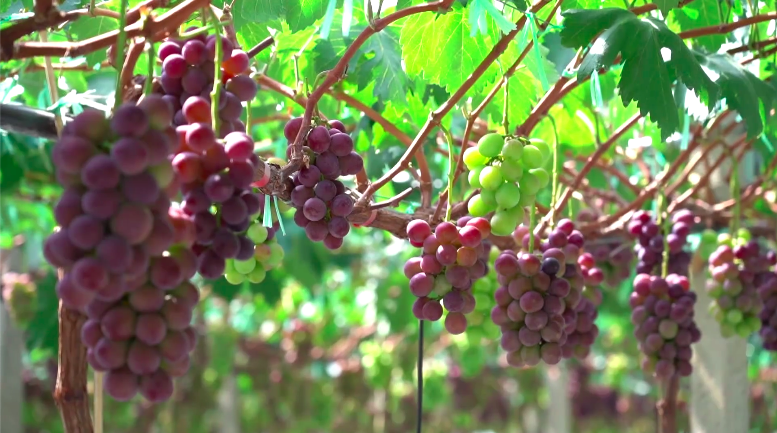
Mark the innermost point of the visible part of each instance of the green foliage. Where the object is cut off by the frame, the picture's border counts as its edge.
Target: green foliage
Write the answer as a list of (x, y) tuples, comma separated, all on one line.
[(701, 13), (743, 91), (646, 77)]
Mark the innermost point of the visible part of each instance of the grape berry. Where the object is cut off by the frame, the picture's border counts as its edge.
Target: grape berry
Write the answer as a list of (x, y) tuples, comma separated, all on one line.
[(650, 246)]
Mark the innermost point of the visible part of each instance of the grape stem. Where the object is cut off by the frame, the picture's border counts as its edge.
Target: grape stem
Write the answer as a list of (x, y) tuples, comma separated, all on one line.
[(667, 406), (261, 46), (451, 169), (505, 106), (532, 221), (216, 92), (120, 40), (555, 174), (149, 84), (735, 193)]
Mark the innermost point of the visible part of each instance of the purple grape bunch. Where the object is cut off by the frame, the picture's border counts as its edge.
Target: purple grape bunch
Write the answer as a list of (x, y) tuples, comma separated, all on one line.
[(650, 246), (453, 258), (663, 317), (124, 249), (188, 70), (321, 200), (766, 283)]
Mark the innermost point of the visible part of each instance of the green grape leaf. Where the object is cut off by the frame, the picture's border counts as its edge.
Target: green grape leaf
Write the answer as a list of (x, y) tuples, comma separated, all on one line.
[(386, 66), (666, 5), (751, 97), (251, 34), (303, 13), (258, 11), (87, 27), (646, 77), (700, 13), (440, 49)]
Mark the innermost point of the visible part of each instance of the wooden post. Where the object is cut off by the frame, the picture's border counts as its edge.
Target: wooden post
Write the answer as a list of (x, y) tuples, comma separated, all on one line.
[(11, 351), (11, 383), (559, 414), (719, 386)]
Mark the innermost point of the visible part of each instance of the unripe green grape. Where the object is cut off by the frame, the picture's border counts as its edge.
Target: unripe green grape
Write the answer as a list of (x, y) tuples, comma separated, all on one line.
[(162, 173), (473, 158), (489, 198), (477, 207), (257, 275), (713, 309), (532, 157), (743, 330), (716, 292), (234, 277), (230, 267), (542, 176), (504, 221), (441, 285), (512, 170), (527, 200), (542, 146), (753, 323), (257, 233), (245, 266), (744, 234), (474, 177), (491, 177), (709, 237), (512, 150), (725, 239), (529, 185), (734, 316), (276, 255), (490, 145), (508, 195)]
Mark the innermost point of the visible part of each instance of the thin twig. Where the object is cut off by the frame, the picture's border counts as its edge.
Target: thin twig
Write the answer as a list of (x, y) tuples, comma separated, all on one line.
[(393, 201)]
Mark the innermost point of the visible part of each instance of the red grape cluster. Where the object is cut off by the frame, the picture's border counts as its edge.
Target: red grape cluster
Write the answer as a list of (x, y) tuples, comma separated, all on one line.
[(124, 249), (662, 313), (187, 80), (650, 246), (454, 256), (736, 304), (538, 301), (216, 183), (321, 201), (766, 283)]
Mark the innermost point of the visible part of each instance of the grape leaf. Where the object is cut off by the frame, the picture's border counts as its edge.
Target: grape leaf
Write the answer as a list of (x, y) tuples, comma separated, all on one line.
[(646, 77), (87, 27), (440, 48), (303, 13), (386, 66), (260, 10), (751, 97), (666, 5), (701, 13)]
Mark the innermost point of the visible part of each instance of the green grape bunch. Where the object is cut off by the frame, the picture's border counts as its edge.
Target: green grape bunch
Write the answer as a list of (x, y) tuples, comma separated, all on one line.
[(509, 172), (268, 255)]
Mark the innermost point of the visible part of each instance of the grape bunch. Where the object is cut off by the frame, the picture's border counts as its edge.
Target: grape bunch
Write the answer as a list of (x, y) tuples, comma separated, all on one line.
[(216, 183), (188, 70), (20, 297), (268, 254), (613, 257), (736, 305), (766, 283), (509, 173), (321, 200), (662, 314), (454, 256), (533, 306), (650, 245), (124, 249)]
